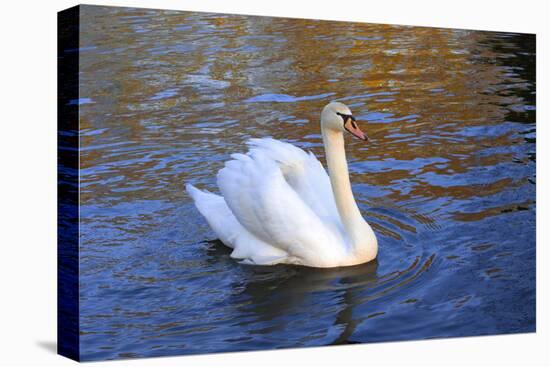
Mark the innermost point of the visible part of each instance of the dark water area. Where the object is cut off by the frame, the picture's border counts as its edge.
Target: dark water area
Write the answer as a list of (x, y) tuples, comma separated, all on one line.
[(447, 181)]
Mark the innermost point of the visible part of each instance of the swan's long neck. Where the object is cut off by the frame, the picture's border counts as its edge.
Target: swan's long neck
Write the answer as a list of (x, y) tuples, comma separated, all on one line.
[(361, 235)]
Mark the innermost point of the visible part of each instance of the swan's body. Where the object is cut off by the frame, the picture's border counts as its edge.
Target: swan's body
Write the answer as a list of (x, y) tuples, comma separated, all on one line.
[(278, 204)]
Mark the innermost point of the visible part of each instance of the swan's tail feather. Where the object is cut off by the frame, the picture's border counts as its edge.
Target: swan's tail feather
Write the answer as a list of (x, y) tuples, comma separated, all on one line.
[(228, 229), (214, 209), (193, 191)]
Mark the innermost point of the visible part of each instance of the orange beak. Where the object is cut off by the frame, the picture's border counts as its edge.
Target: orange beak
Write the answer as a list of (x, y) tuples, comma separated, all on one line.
[(352, 127)]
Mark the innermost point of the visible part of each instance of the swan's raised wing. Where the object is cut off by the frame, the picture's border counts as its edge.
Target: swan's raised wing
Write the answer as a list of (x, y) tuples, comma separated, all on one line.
[(304, 173), (262, 200)]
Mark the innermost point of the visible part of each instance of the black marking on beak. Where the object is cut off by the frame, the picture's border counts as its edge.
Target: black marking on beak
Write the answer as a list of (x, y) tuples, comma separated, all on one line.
[(353, 124), (346, 118)]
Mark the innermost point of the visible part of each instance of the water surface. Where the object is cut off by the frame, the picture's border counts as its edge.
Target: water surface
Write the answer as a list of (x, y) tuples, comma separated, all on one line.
[(447, 180)]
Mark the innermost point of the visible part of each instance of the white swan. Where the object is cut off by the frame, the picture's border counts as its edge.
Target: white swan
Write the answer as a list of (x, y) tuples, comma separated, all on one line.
[(279, 206)]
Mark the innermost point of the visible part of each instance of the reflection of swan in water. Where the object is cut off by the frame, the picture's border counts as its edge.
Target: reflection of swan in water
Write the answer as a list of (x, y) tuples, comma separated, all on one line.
[(275, 297), (266, 298), (281, 292), (279, 206)]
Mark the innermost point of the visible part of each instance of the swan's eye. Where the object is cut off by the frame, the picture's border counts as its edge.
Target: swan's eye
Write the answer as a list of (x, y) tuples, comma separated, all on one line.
[(346, 117)]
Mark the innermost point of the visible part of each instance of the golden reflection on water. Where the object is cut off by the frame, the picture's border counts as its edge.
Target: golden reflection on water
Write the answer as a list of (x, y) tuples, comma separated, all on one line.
[(172, 92)]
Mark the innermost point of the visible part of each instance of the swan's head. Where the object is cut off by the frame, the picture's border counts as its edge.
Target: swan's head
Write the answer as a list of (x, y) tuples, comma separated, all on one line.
[(337, 116)]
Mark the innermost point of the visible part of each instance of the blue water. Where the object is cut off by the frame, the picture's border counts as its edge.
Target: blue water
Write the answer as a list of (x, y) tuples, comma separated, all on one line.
[(447, 180)]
